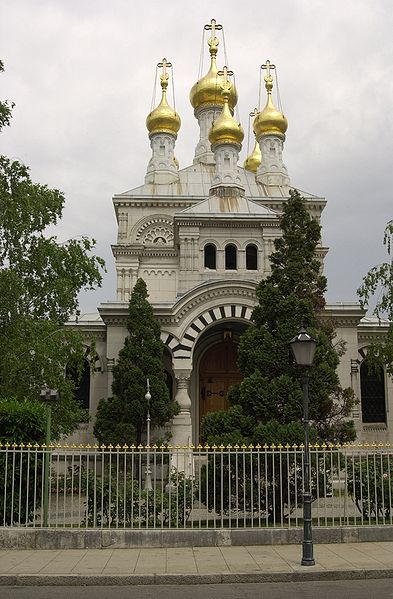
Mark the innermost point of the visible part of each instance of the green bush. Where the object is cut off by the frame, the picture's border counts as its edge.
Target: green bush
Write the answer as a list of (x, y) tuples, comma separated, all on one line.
[(267, 487), (20, 469), (370, 484), (113, 501)]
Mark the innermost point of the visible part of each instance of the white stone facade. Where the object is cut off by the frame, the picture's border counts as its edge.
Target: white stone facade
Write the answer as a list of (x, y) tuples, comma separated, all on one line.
[(201, 238)]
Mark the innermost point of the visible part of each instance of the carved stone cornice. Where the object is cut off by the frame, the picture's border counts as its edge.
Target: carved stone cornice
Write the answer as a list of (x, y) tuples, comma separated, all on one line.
[(156, 202), (140, 250), (126, 249), (368, 337), (161, 251), (222, 222), (94, 330), (342, 315), (114, 313)]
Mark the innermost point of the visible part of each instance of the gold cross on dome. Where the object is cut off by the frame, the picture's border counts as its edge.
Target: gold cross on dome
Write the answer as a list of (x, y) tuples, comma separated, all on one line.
[(225, 73), (213, 27), (267, 66), (213, 41), (164, 64), (254, 112)]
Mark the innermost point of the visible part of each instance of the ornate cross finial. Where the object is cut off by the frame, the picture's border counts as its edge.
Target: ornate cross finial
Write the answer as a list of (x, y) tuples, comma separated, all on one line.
[(254, 112), (268, 77), (213, 27), (213, 41), (226, 85), (267, 66), (164, 64)]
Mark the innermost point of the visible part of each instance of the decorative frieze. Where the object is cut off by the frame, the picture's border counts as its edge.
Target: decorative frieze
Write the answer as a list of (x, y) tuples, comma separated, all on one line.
[(155, 223), (158, 272)]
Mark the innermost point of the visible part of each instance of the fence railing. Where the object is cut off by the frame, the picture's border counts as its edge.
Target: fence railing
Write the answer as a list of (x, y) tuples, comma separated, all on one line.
[(187, 487)]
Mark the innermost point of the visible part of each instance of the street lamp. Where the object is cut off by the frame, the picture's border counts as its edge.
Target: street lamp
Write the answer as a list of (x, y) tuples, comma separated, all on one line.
[(303, 348), (47, 395), (148, 485)]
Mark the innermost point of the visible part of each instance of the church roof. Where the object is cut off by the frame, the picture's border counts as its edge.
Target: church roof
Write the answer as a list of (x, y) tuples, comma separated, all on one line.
[(195, 182), (220, 207)]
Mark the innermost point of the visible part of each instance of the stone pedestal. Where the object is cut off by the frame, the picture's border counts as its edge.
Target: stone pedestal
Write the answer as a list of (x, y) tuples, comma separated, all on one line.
[(182, 458)]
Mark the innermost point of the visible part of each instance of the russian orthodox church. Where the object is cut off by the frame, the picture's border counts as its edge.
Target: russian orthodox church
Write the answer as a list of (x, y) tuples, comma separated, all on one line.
[(201, 237)]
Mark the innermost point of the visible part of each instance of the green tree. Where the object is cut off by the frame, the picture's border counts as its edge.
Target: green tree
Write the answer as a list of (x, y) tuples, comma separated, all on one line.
[(122, 418), (268, 402), (5, 107), (380, 280), (267, 406), (40, 280)]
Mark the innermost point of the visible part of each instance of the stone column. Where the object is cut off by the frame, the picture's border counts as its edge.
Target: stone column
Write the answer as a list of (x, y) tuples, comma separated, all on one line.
[(357, 410), (182, 459), (119, 284), (109, 366)]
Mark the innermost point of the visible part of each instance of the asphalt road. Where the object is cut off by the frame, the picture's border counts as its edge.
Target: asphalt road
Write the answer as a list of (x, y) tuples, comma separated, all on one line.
[(343, 589)]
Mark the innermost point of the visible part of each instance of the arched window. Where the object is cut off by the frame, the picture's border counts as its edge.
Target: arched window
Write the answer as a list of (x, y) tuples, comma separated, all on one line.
[(82, 390), (251, 257), (210, 256), (372, 388), (230, 257), (169, 383)]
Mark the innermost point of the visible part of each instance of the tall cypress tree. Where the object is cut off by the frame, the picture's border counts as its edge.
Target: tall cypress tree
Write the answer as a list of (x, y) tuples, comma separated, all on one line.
[(268, 402), (122, 418)]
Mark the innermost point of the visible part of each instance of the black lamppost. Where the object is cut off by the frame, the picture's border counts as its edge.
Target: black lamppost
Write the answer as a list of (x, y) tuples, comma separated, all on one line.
[(303, 348), (148, 485)]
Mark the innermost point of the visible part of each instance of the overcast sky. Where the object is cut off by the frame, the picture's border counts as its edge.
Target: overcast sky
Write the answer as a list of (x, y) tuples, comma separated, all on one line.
[(81, 73)]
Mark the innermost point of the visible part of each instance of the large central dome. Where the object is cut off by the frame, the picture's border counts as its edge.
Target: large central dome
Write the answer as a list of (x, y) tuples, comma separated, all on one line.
[(207, 91)]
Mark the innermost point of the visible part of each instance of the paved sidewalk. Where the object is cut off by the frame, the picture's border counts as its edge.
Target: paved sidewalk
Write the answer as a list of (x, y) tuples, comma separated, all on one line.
[(188, 565)]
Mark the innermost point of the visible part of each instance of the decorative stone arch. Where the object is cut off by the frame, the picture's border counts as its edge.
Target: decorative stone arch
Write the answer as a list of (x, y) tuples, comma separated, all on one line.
[(183, 348), (219, 243), (230, 241), (96, 361), (170, 341), (153, 230), (252, 241)]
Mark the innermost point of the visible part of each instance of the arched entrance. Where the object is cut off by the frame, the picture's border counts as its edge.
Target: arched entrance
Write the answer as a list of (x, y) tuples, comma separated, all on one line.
[(218, 371)]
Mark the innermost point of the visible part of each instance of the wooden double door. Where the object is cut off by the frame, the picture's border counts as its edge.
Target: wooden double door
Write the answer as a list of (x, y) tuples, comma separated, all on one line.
[(218, 371)]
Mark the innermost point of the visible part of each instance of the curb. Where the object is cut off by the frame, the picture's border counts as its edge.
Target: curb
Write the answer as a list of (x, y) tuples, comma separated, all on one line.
[(26, 580), (53, 538)]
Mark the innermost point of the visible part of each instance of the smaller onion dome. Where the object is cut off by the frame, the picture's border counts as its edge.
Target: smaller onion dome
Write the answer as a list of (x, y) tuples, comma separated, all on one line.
[(207, 91), (270, 121), (163, 119), (254, 159), (226, 129)]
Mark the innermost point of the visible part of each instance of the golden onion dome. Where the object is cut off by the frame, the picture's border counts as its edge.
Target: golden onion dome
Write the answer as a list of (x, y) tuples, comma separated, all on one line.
[(225, 128), (163, 119), (207, 91), (270, 121), (252, 161)]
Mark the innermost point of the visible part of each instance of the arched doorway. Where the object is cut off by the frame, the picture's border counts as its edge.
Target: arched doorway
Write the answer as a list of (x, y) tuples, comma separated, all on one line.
[(218, 371)]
